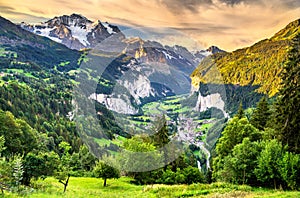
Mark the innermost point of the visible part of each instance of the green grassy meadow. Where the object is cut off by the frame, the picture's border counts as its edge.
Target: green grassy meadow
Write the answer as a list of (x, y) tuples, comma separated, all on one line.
[(116, 188)]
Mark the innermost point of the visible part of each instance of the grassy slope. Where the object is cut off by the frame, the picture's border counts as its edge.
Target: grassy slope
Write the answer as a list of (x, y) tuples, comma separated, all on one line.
[(92, 187)]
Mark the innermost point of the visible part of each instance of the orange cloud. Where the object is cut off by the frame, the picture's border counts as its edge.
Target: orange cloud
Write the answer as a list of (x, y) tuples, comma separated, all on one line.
[(229, 24)]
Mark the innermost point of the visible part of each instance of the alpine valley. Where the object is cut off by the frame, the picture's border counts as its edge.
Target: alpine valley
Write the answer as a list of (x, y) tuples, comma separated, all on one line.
[(55, 73)]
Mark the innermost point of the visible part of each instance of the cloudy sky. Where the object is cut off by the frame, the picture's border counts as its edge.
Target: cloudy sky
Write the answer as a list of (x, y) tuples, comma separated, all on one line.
[(229, 24)]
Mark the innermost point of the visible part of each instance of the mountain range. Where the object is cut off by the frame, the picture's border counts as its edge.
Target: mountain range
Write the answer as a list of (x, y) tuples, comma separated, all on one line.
[(78, 32), (32, 49), (156, 70)]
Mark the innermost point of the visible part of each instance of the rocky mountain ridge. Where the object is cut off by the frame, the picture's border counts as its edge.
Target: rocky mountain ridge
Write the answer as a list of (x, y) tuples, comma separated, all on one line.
[(74, 31), (78, 32)]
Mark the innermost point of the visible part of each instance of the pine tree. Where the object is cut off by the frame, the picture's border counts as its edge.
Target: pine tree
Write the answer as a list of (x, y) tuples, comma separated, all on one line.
[(161, 137), (18, 172), (261, 114), (287, 116), (2, 147), (240, 113)]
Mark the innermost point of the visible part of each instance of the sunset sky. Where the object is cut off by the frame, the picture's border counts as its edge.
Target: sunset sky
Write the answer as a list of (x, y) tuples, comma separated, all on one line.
[(229, 24)]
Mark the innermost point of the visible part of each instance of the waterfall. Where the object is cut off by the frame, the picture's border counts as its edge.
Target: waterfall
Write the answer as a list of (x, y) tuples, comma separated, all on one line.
[(199, 166)]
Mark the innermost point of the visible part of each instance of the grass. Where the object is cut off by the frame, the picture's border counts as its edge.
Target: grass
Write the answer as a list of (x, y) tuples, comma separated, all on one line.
[(105, 142), (87, 187), (21, 71), (205, 127), (93, 187), (102, 142), (217, 190), (75, 82), (171, 104), (73, 72), (119, 140), (62, 64), (7, 53)]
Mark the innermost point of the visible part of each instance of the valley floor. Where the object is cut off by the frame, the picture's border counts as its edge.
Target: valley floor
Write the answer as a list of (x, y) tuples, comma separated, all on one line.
[(93, 187)]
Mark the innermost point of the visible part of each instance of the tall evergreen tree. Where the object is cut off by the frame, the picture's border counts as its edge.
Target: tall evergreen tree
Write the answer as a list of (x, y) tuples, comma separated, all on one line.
[(161, 137), (261, 114), (287, 117), (240, 114)]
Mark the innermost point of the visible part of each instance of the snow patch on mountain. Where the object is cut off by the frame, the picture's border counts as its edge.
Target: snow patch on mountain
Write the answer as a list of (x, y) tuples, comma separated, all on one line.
[(206, 53), (80, 34), (46, 33), (108, 28), (168, 56)]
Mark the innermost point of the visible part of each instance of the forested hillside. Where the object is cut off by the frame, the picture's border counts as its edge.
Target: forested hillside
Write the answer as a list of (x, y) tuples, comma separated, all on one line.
[(261, 64), (33, 85)]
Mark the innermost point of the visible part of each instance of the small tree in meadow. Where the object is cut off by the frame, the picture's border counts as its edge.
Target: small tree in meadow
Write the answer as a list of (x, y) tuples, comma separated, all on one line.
[(63, 175), (104, 171)]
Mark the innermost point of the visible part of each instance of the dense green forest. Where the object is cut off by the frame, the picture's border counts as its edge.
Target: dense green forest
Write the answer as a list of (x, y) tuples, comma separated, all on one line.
[(264, 149)]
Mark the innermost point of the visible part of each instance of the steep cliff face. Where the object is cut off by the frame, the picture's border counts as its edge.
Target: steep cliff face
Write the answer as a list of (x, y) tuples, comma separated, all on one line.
[(130, 92), (138, 86), (145, 71), (213, 100), (225, 97), (116, 103)]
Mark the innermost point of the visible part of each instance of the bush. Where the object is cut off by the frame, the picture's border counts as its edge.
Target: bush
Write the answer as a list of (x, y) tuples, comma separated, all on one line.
[(187, 175)]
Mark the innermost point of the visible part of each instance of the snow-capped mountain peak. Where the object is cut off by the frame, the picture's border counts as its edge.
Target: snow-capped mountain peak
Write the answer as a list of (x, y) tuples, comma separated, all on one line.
[(72, 20), (209, 51), (74, 31)]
